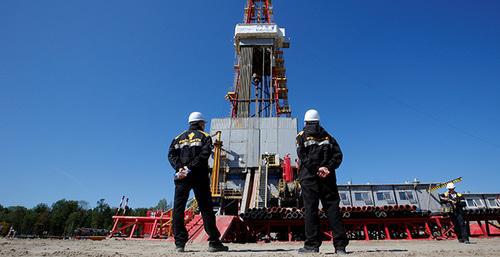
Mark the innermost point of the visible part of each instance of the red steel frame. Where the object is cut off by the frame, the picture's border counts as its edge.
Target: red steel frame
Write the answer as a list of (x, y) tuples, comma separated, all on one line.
[(256, 8), (155, 225), (158, 225), (436, 227)]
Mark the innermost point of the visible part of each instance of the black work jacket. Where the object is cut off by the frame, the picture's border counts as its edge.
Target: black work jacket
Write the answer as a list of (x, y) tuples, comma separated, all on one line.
[(191, 148), (315, 149)]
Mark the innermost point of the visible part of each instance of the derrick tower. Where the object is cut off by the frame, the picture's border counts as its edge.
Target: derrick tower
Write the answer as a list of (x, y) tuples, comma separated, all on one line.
[(260, 83), (255, 147)]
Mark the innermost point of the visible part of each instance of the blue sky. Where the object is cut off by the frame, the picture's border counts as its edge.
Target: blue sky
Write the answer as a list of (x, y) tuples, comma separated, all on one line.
[(92, 92)]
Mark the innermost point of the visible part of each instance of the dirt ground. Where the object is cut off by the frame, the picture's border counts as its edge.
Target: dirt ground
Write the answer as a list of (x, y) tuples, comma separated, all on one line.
[(114, 247)]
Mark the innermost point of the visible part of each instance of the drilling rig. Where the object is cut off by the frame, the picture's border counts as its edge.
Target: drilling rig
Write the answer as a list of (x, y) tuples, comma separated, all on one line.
[(254, 166), (257, 160)]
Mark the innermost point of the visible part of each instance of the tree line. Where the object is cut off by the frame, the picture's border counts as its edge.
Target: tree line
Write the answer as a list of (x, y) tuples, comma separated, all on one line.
[(63, 217)]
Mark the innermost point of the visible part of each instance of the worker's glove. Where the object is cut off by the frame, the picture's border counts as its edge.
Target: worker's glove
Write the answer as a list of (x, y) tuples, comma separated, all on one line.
[(323, 172)]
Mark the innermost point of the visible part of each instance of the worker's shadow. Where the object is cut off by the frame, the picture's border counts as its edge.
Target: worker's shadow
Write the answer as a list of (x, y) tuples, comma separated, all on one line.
[(249, 250), (372, 251), (261, 250)]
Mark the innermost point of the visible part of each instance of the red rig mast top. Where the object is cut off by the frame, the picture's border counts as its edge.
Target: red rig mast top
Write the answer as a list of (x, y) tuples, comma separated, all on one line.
[(258, 11), (260, 83)]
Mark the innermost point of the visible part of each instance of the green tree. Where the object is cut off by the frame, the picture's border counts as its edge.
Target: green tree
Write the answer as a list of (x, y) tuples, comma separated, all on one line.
[(42, 213), (162, 205), (4, 228), (63, 217), (102, 215), (27, 222), (15, 216), (72, 222), (59, 214)]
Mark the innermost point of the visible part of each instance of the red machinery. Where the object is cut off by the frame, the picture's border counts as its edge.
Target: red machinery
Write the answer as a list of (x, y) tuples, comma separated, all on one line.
[(158, 225), (287, 170), (155, 225), (398, 223)]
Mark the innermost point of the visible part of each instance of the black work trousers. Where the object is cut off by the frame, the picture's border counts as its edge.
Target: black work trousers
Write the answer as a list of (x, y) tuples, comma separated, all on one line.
[(324, 189), (457, 217), (201, 187)]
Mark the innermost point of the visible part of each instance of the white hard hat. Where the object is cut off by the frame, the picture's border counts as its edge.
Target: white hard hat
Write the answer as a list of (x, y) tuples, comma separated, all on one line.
[(450, 186), (196, 116), (311, 115)]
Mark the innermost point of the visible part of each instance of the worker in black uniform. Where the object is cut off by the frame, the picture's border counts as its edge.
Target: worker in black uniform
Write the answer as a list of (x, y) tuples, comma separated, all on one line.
[(319, 156), (455, 201), (188, 155)]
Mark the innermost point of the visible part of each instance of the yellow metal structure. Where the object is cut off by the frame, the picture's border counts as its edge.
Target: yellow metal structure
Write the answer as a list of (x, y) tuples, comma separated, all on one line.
[(216, 167)]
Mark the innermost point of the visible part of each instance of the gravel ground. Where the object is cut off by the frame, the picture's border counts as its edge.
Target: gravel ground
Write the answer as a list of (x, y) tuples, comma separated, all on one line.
[(114, 247)]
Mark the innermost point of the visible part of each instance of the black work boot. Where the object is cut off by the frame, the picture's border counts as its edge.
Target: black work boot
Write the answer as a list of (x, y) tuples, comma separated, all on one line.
[(217, 247), (308, 250), (340, 251), (179, 248)]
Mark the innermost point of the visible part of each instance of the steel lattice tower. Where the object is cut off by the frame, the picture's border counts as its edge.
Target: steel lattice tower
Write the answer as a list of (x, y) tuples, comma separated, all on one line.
[(260, 83)]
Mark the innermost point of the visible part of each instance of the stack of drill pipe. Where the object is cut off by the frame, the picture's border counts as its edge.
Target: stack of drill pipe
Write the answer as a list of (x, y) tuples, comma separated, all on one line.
[(394, 211), (355, 234), (376, 233), (398, 210), (272, 213), (275, 213), (411, 207)]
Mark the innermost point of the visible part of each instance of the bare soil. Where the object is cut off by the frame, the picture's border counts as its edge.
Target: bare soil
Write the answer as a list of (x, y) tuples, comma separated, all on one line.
[(116, 247)]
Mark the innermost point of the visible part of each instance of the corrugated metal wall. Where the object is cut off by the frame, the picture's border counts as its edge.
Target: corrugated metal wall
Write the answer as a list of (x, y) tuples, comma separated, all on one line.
[(245, 139)]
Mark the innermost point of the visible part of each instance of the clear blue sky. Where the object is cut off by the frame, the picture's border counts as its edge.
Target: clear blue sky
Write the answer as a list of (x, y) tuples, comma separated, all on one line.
[(92, 92)]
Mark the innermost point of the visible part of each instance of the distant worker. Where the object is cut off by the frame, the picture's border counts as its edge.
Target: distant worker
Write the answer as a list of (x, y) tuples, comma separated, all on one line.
[(455, 201), (188, 155), (319, 156)]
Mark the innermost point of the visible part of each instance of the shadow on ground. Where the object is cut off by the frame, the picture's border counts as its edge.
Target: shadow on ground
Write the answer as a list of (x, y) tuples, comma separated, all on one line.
[(262, 250), (373, 251)]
